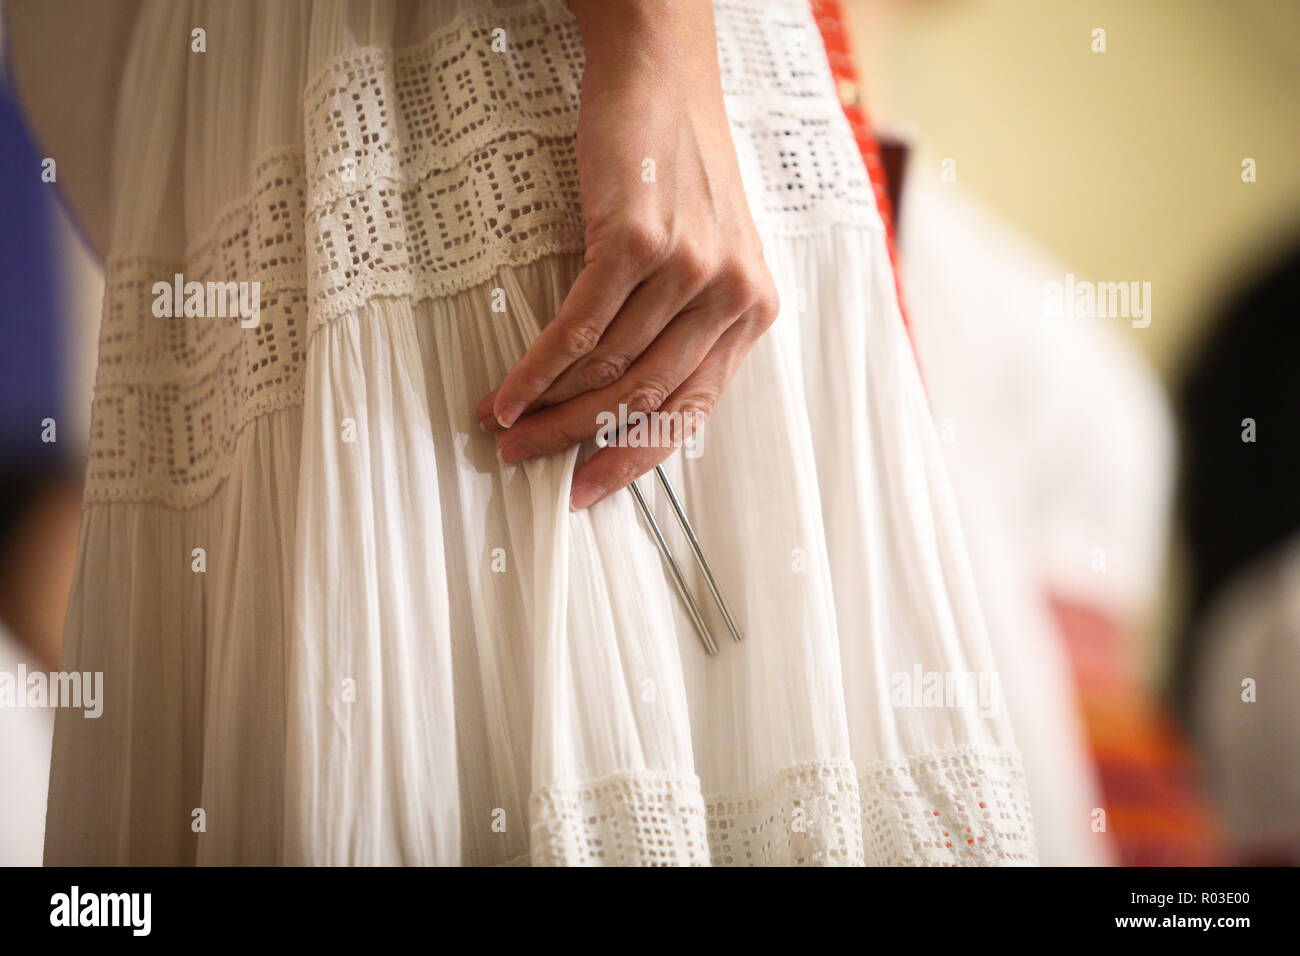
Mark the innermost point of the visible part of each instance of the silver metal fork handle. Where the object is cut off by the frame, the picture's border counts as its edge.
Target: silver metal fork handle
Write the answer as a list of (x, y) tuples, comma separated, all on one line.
[(679, 582), (699, 552)]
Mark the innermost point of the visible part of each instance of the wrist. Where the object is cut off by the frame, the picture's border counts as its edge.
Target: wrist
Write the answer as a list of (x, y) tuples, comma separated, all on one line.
[(658, 35)]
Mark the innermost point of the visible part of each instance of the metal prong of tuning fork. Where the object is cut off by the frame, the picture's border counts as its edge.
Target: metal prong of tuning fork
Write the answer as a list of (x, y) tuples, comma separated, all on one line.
[(699, 552), (710, 645)]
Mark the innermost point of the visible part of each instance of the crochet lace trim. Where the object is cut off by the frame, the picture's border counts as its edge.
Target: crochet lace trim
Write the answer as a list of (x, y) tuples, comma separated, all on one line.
[(961, 807)]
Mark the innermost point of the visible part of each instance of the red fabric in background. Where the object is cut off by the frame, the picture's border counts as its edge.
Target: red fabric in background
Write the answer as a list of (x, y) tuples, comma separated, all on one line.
[(831, 23), (1155, 805)]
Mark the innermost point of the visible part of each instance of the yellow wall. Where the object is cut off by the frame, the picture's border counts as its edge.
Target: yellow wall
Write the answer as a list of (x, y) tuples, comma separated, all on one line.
[(1126, 163)]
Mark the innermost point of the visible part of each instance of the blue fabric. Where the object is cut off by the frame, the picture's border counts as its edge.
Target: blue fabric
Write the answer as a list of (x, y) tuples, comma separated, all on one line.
[(29, 318)]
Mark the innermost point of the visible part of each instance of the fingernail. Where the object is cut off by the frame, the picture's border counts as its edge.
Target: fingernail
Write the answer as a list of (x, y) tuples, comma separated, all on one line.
[(510, 414), (514, 451), (487, 423), (584, 496)]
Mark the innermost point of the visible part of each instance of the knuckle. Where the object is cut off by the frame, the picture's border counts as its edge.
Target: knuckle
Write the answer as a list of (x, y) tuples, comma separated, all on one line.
[(695, 265), (604, 371), (578, 339), (648, 395), (695, 408), (692, 413), (645, 245), (742, 284), (768, 305)]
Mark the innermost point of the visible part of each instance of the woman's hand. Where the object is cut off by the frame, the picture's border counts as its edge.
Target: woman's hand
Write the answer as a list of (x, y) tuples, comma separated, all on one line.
[(674, 291)]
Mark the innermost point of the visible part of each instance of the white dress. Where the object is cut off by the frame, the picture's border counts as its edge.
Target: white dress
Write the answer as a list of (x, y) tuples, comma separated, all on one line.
[(393, 648)]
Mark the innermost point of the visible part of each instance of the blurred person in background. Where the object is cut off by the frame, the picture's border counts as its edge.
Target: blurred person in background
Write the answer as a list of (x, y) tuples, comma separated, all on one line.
[(1238, 662)]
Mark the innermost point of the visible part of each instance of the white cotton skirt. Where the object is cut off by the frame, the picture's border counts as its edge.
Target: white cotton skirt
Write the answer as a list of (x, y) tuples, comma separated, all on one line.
[(335, 628)]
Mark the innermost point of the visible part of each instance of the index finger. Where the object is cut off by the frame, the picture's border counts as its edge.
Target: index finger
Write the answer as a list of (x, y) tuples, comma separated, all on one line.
[(593, 301)]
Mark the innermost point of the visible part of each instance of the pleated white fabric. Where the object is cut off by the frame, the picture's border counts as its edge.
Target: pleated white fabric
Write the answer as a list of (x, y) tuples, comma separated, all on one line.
[(393, 648)]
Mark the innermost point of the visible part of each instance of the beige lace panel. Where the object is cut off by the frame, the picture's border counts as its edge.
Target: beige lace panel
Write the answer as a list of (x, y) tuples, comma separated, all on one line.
[(434, 167), (171, 394), (422, 173)]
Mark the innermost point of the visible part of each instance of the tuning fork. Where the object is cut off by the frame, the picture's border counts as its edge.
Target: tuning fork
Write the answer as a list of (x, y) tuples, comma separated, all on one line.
[(679, 582)]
